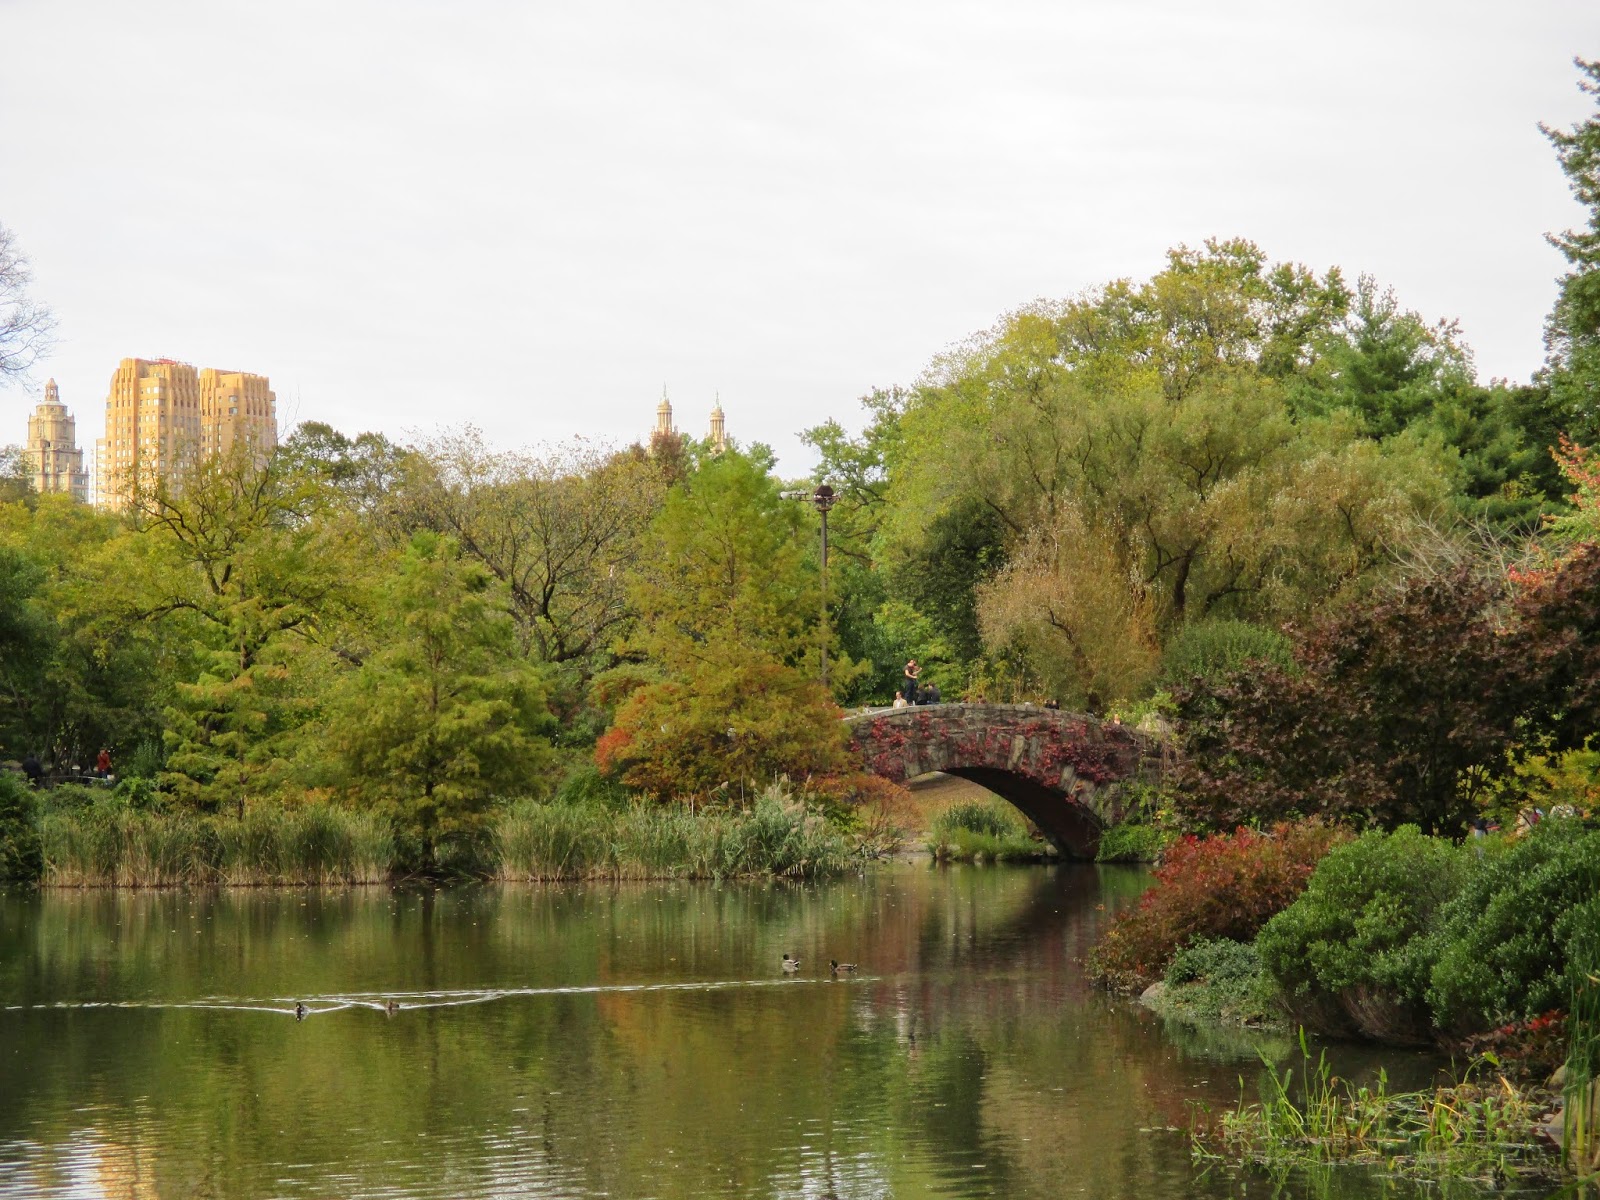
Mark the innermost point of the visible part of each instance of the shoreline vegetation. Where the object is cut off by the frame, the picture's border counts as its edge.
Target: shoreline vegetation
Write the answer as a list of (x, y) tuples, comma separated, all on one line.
[(109, 843)]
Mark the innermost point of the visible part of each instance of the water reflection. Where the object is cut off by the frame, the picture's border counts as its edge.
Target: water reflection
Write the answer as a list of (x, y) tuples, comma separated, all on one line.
[(587, 1041)]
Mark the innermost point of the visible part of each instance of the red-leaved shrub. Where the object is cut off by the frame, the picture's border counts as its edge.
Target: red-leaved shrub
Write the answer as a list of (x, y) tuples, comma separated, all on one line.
[(1225, 886)]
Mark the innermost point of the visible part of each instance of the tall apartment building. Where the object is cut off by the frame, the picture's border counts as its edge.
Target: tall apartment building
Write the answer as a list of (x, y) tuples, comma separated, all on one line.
[(162, 416), (54, 458), (237, 407)]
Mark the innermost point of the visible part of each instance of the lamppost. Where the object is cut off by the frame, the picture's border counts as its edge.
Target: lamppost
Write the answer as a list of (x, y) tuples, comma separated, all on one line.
[(822, 499)]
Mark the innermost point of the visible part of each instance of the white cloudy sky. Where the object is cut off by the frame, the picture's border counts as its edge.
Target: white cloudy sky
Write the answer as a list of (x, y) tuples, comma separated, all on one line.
[(532, 215)]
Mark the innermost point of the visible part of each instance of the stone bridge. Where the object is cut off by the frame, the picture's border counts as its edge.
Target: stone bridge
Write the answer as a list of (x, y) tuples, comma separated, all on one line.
[(1066, 772)]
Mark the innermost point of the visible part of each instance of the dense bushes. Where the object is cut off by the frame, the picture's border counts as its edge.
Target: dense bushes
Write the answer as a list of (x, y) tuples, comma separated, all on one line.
[(1397, 937), (1211, 649), (1348, 952), (1226, 886), (1501, 945), (20, 858), (1218, 980)]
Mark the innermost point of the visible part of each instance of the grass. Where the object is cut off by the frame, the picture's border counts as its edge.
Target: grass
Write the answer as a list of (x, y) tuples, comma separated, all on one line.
[(973, 831), (1467, 1131)]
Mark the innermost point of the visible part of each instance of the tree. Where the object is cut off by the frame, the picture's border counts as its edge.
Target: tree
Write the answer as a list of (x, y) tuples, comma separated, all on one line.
[(1070, 600), (559, 530), (241, 554), (728, 614), (723, 731), (1399, 711), (1572, 333), (725, 566), (26, 326), (443, 716)]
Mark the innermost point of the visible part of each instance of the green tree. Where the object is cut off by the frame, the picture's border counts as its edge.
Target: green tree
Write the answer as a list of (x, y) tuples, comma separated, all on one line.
[(241, 556), (1572, 333), (559, 530), (726, 567), (729, 614), (443, 715)]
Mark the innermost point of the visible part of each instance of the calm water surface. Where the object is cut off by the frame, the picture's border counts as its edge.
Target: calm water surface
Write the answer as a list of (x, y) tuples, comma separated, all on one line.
[(624, 1041)]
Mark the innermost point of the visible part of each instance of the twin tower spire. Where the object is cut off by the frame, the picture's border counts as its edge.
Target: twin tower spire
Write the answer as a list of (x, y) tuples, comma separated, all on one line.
[(718, 435)]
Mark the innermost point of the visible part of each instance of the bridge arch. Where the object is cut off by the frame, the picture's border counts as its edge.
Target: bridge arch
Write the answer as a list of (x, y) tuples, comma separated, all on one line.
[(1066, 772)]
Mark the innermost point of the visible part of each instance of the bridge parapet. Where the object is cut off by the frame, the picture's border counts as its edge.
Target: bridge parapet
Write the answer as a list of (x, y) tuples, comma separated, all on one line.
[(1066, 771)]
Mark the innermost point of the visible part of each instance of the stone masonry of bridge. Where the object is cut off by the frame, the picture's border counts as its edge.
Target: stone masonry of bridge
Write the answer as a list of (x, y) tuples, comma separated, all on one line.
[(1067, 772)]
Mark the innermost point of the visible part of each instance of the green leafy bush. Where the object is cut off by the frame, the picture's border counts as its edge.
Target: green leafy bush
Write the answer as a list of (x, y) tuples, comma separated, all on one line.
[(1502, 944), (1351, 952), (1212, 649), (21, 858), (1223, 886), (1132, 843), (1217, 979)]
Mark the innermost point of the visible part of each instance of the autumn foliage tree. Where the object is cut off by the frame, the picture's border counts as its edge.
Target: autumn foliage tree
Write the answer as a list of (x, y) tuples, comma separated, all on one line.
[(728, 615), (1403, 710)]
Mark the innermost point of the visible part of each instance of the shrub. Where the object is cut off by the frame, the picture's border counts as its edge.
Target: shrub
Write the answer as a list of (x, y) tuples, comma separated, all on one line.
[(1218, 979), (1351, 951), (1212, 649), (21, 856), (1502, 943), (1132, 843), (1223, 886)]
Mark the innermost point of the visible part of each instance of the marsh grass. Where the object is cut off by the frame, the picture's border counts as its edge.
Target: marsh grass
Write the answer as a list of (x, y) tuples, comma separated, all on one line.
[(1580, 1136), (778, 836), (1477, 1129), (109, 845), (977, 832)]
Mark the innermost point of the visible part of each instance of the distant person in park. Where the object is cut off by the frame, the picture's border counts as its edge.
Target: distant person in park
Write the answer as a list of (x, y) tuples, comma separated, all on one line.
[(912, 671), (102, 763), (930, 694), (33, 770), (899, 700)]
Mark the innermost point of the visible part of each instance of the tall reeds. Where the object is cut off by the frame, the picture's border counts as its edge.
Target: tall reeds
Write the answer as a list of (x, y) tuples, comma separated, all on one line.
[(977, 832), (776, 836), (1580, 1120), (1478, 1128), (117, 846)]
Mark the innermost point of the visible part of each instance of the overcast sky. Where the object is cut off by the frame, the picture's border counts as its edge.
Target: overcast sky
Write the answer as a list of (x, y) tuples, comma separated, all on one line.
[(531, 216)]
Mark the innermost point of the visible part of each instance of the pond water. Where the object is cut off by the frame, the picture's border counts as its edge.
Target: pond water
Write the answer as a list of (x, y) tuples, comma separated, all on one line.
[(586, 1041)]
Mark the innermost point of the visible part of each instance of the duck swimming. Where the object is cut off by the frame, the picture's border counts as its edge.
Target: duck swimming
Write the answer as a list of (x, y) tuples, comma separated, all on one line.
[(791, 965), (836, 967)]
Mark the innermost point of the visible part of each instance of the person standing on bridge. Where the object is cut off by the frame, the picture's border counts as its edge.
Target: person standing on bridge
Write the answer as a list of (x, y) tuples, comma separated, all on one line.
[(912, 671)]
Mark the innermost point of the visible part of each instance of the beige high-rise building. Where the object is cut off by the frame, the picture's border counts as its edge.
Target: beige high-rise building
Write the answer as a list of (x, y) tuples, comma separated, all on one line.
[(162, 416), (54, 458), (237, 408)]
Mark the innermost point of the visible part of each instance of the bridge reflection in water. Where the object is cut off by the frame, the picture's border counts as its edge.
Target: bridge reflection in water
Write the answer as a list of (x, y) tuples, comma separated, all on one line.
[(1067, 772)]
